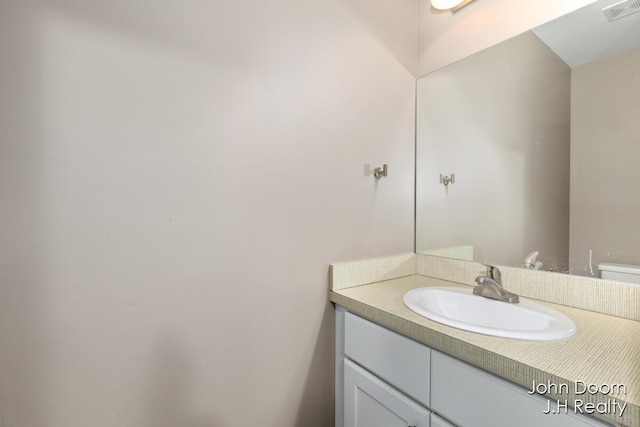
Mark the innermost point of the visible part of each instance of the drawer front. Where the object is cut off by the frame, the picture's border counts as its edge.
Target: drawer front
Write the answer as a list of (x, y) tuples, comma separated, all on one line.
[(396, 359), (471, 397)]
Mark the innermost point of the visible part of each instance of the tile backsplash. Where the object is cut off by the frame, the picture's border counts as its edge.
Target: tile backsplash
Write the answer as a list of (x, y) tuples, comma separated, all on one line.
[(602, 296)]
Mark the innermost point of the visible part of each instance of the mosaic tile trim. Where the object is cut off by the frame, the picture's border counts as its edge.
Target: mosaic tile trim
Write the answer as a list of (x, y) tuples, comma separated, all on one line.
[(348, 274), (602, 296)]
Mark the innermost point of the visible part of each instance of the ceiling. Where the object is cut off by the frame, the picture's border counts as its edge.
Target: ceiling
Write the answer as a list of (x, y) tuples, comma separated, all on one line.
[(586, 35)]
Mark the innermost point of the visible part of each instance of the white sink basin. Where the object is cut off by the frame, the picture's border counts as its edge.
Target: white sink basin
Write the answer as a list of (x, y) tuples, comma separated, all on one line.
[(459, 308)]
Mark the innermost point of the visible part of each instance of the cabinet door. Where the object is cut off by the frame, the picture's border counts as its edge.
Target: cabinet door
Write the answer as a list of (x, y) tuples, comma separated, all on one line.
[(471, 397), (370, 402)]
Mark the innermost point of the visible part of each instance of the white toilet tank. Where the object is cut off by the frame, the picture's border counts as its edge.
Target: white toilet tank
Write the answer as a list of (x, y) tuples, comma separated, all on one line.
[(620, 272)]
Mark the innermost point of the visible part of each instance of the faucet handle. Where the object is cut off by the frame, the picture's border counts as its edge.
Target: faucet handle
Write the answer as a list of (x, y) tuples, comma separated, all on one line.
[(493, 272)]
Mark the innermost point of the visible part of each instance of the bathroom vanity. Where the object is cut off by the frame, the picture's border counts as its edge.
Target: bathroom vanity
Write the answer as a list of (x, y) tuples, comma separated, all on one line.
[(390, 380), (395, 367)]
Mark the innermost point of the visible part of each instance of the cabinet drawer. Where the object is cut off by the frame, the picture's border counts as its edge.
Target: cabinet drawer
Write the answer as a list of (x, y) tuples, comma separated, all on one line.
[(471, 397), (398, 360)]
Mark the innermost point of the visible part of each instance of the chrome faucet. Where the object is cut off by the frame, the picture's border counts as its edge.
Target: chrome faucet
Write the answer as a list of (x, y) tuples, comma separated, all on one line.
[(490, 286), (531, 263)]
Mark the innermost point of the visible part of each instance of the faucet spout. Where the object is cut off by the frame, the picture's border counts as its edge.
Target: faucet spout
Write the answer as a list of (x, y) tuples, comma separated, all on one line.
[(490, 286), (493, 273), (531, 263)]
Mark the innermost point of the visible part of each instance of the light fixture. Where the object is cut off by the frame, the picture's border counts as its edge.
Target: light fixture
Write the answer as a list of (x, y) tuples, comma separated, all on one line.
[(453, 5), (445, 4)]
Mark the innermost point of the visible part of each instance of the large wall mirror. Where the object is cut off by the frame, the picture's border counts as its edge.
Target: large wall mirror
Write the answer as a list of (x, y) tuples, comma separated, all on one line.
[(542, 135)]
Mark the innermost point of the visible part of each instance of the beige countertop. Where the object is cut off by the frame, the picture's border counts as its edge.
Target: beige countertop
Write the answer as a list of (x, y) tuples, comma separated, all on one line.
[(604, 352)]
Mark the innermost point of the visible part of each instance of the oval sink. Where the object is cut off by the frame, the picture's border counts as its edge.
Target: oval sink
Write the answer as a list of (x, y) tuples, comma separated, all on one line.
[(460, 308)]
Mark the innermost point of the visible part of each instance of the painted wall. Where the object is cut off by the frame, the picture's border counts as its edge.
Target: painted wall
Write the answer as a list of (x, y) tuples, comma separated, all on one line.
[(605, 148), (498, 120), (445, 37), (175, 179)]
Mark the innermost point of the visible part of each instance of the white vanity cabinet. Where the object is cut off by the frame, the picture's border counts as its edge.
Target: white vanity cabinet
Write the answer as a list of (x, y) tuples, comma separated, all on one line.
[(399, 361), (370, 402), (469, 396), (384, 379), (381, 369)]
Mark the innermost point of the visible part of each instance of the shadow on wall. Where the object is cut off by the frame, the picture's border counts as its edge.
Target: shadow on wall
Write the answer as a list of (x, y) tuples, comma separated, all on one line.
[(312, 411), (23, 267), (172, 387), (171, 390)]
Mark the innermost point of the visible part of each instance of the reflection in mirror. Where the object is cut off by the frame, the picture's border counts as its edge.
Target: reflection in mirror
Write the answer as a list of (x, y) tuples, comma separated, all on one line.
[(543, 136)]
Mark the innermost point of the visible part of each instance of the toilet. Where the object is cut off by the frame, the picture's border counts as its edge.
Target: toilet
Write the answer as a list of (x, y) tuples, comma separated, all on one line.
[(620, 272)]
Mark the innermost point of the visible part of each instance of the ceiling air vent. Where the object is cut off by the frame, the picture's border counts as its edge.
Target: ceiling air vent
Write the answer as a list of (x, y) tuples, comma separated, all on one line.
[(622, 9)]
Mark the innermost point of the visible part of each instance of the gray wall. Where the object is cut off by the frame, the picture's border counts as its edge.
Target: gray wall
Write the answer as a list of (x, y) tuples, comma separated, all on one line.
[(605, 163), (499, 120), (175, 178)]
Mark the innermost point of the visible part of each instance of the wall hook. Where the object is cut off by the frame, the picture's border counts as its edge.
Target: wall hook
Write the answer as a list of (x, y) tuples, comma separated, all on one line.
[(446, 180), (380, 172)]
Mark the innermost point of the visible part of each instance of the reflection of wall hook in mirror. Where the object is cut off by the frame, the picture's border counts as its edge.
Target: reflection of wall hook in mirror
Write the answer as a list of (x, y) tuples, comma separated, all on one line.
[(380, 172), (446, 180)]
